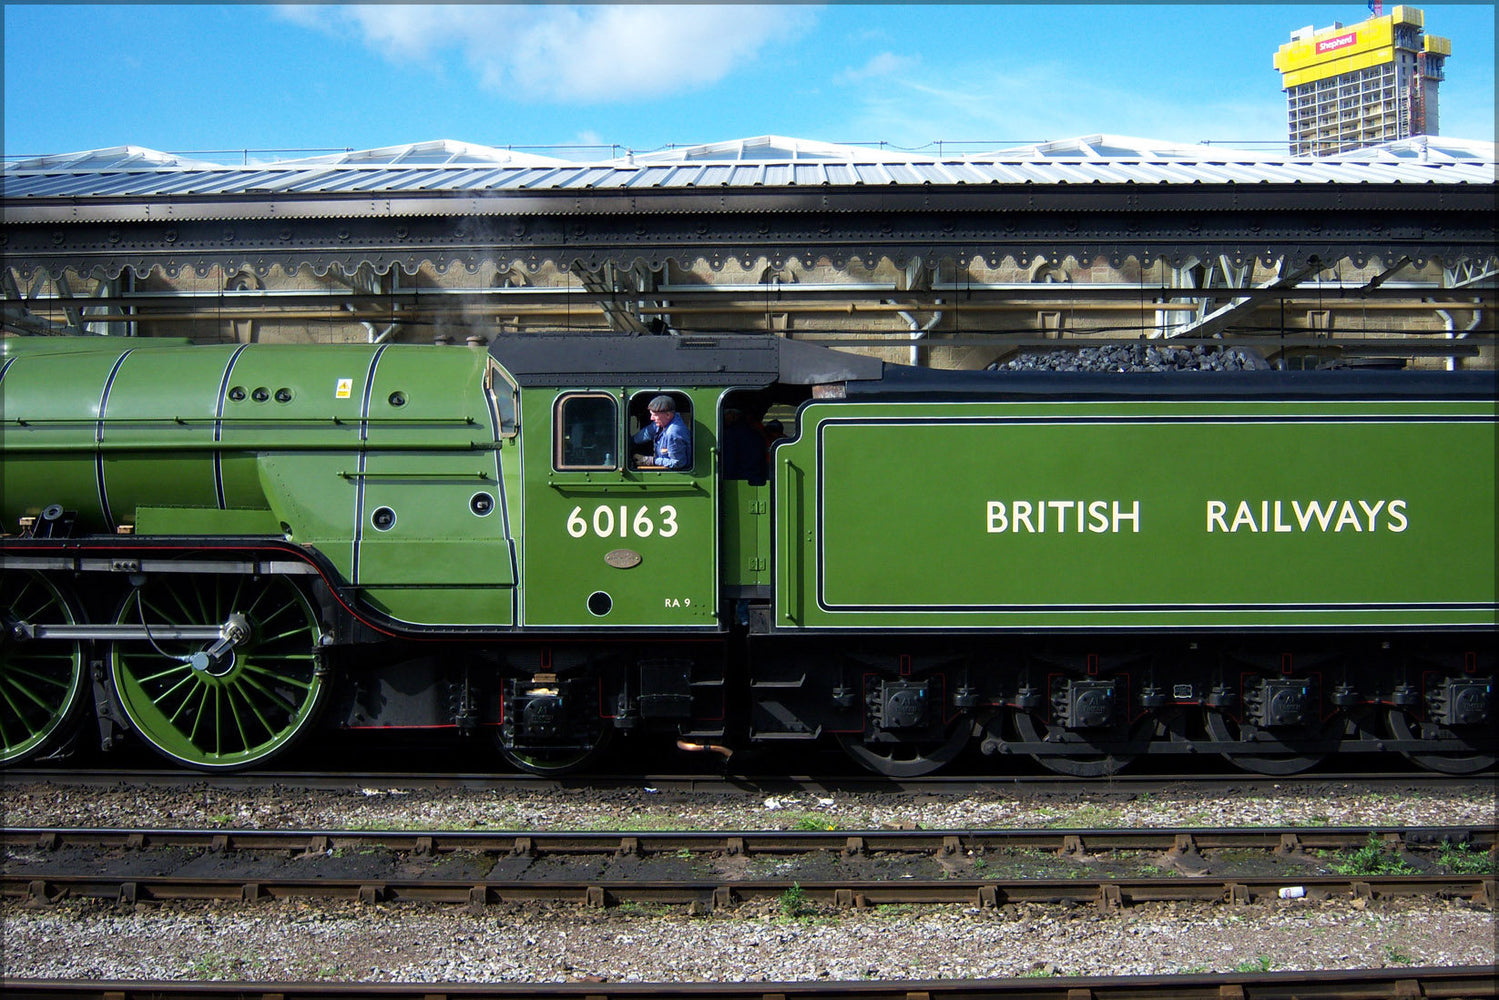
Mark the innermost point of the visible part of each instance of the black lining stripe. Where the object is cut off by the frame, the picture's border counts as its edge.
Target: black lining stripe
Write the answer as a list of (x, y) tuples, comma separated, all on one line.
[(820, 486), (1152, 608), (1423, 418), (364, 434), (218, 429), (1479, 628), (109, 520), (5, 366)]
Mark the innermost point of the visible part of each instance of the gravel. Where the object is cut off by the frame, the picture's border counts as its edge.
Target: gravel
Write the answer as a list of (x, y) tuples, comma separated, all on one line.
[(394, 806), (290, 941), (303, 940)]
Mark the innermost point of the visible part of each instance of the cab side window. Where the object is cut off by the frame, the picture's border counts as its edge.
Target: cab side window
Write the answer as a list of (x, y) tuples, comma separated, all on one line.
[(502, 396), (660, 430), (586, 429)]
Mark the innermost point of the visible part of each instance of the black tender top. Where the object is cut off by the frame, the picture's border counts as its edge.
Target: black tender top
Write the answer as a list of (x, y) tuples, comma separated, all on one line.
[(753, 360), (901, 382), (729, 359)]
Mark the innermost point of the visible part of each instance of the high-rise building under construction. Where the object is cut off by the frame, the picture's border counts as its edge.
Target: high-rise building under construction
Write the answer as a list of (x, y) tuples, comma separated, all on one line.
[(1358, 86)]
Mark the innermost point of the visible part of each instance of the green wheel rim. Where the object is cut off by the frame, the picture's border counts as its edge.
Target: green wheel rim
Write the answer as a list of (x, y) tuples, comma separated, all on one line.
[(252, 703), (41, 681)]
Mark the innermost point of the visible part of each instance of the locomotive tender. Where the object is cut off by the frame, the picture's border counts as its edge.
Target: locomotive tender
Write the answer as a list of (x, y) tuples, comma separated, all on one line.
[(221, 547)]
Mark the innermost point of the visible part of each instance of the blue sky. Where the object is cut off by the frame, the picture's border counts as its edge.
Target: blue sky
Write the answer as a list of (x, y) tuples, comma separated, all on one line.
[(233, 77)]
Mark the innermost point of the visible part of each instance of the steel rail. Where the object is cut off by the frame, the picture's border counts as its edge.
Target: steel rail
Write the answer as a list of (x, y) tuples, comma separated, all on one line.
[(1472, 982), (36, 881), (1067, 842), (718, 893)]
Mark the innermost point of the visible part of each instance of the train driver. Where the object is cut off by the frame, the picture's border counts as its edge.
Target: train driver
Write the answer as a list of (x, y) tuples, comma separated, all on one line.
[(669, 436)]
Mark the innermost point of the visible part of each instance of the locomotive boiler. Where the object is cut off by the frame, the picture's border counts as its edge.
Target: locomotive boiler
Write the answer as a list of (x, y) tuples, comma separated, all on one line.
[(217, 549)]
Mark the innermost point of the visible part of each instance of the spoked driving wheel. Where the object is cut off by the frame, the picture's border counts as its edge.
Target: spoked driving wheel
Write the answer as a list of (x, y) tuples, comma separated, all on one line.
[(1033, 729), (41, 680), (1464, 761), (1223, 729), (907, 758), (224, 703)]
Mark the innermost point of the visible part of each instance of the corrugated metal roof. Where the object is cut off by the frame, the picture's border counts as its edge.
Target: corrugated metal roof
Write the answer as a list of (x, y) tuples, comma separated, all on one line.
[(445, 166)]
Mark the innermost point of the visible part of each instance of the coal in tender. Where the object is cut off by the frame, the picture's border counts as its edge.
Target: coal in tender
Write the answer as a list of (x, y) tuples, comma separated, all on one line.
[(1134, 358)]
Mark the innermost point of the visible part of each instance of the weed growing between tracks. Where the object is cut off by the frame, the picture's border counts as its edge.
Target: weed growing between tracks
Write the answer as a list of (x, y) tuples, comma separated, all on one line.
[(1395, 955), (1465, 859), (793, 901), (1373, 859)]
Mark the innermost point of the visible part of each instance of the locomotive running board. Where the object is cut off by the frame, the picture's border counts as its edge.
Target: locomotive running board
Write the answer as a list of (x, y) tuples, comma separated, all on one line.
[(130, 564)]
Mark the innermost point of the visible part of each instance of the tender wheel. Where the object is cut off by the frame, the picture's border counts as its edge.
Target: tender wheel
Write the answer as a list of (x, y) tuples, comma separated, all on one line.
[(225, 704), (555, 760), (906, 759), (1403, 727), (1222, 729), (1032, 729), (41, 680)]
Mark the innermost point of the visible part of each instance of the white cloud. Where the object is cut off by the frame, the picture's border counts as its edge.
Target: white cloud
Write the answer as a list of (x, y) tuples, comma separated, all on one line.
[(885, 64), (569, 54), (1042, 102)]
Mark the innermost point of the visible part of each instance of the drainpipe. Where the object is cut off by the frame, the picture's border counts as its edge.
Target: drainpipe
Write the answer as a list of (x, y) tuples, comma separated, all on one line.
[(369, 329), (1450, 325), (919, 330)]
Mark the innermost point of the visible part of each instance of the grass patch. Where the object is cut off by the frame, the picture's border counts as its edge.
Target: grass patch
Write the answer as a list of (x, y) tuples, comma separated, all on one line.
[(1372, 859), (631, 908), (222, 966), (1395, 955), (793, 902), (810, 822), (1465, 859), (1086, 817)]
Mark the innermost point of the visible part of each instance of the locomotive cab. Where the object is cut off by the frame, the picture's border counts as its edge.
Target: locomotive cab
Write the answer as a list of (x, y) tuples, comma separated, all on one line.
[(612, 541), (613, 544)]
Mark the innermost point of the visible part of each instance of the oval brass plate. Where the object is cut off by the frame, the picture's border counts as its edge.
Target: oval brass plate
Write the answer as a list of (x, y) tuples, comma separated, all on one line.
[(622, 558)]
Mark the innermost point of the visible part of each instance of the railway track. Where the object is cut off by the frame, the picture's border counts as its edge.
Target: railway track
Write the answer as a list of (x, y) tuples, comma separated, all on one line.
[(1277, 840), (713, 871), (1467, 983)]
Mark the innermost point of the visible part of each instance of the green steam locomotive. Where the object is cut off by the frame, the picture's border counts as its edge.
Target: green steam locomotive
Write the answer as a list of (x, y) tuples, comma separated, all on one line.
[(218, 549)]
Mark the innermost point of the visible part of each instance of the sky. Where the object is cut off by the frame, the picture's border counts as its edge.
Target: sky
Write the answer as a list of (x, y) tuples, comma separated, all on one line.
[(236, 82)]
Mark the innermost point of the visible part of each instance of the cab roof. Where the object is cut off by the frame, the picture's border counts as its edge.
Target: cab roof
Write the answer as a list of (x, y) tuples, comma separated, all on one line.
[(661, 359)]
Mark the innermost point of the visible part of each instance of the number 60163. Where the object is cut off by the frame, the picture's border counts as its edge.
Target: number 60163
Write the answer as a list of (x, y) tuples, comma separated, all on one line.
[(622, 521)]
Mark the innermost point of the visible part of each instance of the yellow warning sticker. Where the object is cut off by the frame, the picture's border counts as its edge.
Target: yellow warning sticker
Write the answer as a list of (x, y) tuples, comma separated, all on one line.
[(345, 388)]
